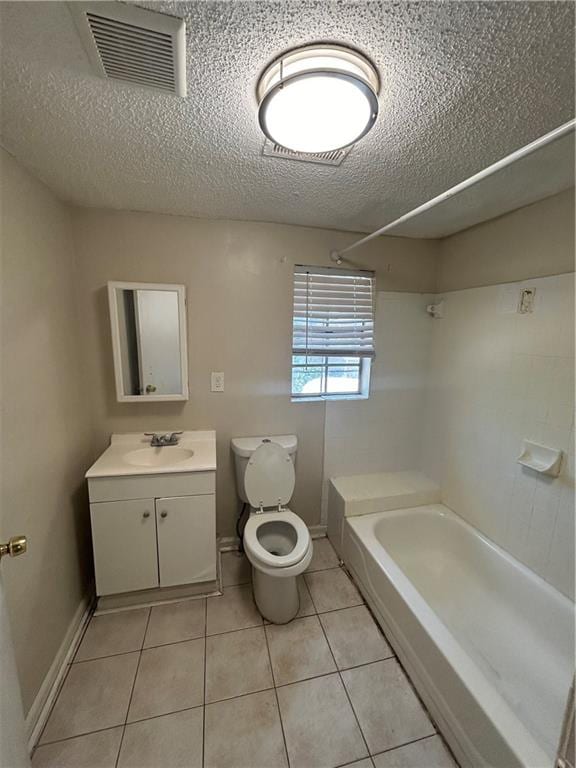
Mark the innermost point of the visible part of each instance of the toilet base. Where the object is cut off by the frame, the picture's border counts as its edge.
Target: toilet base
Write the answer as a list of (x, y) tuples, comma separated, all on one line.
[(276, 598)]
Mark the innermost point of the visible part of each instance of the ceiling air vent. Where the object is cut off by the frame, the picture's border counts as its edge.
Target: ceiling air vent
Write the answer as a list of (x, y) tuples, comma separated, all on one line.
[(134, 45), (322, 158)]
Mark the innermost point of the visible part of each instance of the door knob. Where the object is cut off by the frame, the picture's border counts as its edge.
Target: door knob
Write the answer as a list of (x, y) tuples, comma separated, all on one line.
[(146, 514), (163, 514), (17, 545)]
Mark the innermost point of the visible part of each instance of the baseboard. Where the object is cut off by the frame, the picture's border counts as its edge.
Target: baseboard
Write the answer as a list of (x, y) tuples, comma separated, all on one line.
[(40, 709)]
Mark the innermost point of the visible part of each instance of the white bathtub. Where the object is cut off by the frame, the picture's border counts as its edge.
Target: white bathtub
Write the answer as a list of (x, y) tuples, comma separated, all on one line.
[(488, 644)]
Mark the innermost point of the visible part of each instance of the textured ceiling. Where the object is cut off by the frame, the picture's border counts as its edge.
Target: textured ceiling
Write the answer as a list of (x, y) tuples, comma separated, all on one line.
[(463, 84)]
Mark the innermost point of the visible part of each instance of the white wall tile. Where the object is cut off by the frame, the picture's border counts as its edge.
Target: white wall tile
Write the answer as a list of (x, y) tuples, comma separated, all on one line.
[(496, 378), (384, 433)]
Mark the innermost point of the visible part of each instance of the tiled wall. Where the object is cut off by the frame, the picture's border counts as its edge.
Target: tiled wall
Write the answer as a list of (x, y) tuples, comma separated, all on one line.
[(384, 433), (496, 378)]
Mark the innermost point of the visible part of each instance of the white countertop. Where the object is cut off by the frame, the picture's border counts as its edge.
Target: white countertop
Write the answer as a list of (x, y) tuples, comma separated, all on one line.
[(114, 462)]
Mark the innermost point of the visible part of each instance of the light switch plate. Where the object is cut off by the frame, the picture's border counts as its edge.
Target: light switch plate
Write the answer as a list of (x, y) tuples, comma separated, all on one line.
[(217, 381)]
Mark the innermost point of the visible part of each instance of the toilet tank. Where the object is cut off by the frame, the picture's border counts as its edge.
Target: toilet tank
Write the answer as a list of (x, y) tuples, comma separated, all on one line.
[(244, 447)]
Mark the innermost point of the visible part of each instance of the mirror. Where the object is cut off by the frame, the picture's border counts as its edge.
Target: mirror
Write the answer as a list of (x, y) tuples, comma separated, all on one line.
[(149, 341)]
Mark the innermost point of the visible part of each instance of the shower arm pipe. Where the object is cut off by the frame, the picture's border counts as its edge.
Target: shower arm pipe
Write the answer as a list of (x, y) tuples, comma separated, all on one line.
[(518, 154)]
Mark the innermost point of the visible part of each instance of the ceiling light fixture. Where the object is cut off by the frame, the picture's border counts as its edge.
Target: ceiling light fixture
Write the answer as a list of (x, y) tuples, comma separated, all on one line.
[(318, 99)]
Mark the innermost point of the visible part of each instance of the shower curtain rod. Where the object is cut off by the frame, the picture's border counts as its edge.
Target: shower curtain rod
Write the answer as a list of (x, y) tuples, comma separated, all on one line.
[(518, 154)]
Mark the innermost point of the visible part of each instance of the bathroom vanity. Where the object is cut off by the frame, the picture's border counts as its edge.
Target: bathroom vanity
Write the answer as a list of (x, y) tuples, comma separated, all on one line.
[(153, 516)]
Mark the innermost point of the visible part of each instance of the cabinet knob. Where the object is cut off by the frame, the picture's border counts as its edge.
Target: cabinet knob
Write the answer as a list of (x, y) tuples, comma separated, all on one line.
[(146, 514), (163, 514)]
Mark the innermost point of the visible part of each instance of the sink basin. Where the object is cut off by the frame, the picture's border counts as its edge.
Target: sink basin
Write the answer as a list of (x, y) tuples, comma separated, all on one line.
[(158, 457)]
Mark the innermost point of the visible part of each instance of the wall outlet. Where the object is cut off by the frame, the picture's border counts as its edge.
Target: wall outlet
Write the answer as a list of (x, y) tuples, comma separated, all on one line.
[(217, 381)]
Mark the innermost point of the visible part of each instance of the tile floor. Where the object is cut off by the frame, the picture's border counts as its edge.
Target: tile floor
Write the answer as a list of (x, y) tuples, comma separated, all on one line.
[(207, 684)]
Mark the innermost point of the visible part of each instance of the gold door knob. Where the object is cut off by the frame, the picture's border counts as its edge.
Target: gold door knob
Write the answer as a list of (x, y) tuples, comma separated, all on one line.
[(15, 546)]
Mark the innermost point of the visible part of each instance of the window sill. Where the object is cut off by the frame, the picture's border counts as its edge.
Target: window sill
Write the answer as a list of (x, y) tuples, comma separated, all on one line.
[(327, 398)]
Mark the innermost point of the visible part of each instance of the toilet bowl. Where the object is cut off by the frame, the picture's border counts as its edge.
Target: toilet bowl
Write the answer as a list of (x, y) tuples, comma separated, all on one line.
[(276, 541)]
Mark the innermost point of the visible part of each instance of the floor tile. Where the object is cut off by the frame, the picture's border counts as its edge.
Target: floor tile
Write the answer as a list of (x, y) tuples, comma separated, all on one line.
[(175, 622), (332, 590), (366, 763), (354, 637), (236, 569), (237, 663), (388, 710), (429, 752), (306, 605), (113, 633), (235, 609), (169, 678), (95, 695), (319, 724), (96, 750), (244, 733), (324, 556), (299, 650), (170, 741)]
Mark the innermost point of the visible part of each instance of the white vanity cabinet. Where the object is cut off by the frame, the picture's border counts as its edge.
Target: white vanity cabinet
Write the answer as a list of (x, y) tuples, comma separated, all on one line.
[(148, 543), (153, 516)]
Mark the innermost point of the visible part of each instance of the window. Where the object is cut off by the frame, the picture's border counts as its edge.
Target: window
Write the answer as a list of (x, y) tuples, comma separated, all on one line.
[(333, 333)]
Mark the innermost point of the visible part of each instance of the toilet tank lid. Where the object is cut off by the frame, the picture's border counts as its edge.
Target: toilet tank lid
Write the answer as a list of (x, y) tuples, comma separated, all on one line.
[(245, 446)]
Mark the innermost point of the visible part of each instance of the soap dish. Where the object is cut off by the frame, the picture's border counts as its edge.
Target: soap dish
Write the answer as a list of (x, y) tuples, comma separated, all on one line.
[(541, 459)]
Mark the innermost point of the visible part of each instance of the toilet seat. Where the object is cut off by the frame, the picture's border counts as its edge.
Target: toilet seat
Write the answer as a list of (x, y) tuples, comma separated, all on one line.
[(269, 478), (269, 562)]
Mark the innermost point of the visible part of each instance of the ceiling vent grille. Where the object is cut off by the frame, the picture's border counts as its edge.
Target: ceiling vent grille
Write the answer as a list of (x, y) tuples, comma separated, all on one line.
[(335, 157), (134, 45)]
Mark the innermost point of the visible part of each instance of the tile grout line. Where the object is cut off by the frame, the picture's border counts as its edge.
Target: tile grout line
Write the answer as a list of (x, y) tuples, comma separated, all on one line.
[(205, 661), (340, 675), (133, 687), (189, 709), (405, 673), (276, 696), (80, 735), (345, 689), (132, 722), (407, 743)]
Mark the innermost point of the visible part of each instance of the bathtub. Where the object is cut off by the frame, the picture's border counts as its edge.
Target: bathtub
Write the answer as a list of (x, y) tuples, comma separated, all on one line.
[(488, 644)]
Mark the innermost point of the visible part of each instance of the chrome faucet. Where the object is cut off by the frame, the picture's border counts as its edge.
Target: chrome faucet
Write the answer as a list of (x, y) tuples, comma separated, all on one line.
[(159, 441)]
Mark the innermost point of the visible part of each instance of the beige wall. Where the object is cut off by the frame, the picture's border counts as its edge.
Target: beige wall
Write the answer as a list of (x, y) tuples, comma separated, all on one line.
[(535, 241), (238, 277), (45, 430)]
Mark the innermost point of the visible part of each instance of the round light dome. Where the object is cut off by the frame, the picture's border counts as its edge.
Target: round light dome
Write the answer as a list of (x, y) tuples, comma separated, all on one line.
[(318, 99)]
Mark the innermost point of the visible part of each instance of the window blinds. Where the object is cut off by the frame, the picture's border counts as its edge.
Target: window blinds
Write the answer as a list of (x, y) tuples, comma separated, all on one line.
[(333, 312)]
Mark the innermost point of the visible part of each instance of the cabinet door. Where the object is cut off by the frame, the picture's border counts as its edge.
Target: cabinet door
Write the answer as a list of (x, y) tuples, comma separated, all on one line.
[(124, 542), (186, 539)]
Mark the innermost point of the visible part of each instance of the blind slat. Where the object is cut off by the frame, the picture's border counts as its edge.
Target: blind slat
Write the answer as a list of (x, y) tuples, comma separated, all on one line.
[(333, 312)]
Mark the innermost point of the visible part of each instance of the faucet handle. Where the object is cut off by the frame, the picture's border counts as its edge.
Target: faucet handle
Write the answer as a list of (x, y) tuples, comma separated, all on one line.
[(174, 436)]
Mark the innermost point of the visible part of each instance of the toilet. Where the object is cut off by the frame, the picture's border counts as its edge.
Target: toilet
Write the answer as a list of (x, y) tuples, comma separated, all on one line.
[(276, 541)]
